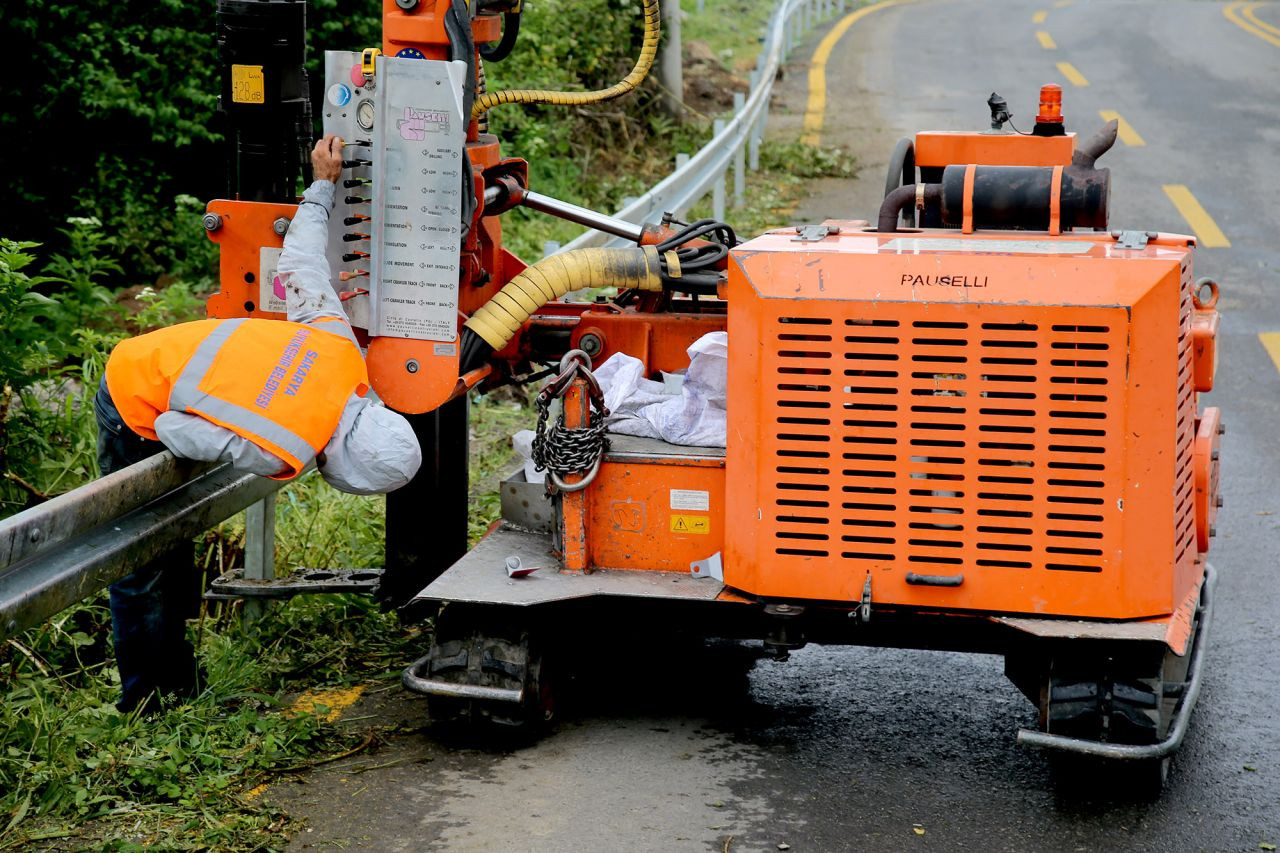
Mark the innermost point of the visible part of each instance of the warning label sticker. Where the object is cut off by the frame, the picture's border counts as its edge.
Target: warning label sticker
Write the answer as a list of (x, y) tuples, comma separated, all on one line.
[(693, 499), (247, 84), (700, 524)]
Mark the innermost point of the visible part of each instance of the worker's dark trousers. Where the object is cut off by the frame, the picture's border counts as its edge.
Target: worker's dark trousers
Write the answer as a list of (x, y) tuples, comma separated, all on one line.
[(149, 608)]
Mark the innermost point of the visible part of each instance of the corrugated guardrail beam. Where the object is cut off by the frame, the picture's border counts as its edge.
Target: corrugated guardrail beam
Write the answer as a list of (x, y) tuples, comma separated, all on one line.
[(55, 554)]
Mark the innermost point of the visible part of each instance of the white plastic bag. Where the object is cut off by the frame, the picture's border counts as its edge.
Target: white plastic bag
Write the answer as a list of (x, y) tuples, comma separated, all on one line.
[(693, 416)]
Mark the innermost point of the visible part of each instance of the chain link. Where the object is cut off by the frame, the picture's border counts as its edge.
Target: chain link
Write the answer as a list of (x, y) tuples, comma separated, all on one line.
[(563, 450)]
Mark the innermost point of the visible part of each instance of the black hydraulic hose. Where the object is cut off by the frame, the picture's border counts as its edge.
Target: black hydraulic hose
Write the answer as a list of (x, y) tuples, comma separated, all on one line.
[(896, 201), (902, 172), (510, 32)]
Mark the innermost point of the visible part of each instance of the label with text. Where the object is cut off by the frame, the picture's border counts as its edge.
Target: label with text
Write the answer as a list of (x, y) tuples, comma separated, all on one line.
[(693, 499)]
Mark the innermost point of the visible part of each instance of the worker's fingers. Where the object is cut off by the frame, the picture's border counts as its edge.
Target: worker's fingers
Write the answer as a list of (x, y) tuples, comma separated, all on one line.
[(335, 145)]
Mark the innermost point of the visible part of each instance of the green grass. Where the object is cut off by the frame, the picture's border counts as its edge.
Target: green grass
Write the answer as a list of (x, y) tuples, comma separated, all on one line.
[(733, 29)]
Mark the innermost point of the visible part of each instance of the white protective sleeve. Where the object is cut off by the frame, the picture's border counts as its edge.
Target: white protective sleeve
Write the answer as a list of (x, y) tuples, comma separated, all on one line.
[(192, 437)]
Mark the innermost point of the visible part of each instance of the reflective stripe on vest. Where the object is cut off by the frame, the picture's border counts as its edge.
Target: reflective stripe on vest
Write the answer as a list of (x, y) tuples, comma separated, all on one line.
[(186, 394), (336, 326)]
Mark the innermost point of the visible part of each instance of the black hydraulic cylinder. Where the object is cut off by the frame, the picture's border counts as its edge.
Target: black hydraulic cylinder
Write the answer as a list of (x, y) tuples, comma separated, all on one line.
[(1020, 197), (427, 519), (265, 96)]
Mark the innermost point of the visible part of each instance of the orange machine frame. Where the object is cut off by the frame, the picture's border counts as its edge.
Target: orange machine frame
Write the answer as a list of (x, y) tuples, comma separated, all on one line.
[(922, 413)]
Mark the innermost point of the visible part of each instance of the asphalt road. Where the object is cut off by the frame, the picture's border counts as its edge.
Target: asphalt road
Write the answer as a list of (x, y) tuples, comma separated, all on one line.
[(843, 749)]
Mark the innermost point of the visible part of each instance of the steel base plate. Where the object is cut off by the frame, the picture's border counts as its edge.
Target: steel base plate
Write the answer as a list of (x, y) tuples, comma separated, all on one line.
[(481, 576)]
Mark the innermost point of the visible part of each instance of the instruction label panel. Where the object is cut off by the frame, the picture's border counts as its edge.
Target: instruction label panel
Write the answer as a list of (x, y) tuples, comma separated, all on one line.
[(419, 165), (693, 499)]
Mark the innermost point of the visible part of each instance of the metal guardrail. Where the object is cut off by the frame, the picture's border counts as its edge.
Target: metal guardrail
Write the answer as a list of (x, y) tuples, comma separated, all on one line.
[(61, 551), (735, 142)]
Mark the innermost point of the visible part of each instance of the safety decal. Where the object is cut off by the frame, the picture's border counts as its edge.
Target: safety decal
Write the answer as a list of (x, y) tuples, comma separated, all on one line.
[(700, 524)]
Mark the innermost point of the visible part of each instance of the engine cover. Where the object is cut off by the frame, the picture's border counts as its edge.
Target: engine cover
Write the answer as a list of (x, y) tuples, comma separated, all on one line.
[(994, 421)]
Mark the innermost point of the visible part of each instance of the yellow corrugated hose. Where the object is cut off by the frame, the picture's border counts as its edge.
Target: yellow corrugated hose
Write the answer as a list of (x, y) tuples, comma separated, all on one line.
[(648, 50), (498, 320)]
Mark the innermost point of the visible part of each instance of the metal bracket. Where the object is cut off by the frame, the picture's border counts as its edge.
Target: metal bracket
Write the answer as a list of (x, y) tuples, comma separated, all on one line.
[(711, 567), (234, 584), (814, 233), (863, 611), (1133, 239)]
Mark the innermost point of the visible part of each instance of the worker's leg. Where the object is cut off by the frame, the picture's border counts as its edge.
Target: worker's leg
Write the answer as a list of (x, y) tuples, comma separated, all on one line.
[(148, 607)]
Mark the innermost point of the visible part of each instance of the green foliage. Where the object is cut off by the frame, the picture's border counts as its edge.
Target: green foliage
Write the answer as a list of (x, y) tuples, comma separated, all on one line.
[(801, 160), (117, 120), (174, 781)]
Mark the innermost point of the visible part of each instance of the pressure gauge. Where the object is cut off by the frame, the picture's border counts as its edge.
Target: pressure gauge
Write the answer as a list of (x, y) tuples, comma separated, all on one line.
[(364, 114)]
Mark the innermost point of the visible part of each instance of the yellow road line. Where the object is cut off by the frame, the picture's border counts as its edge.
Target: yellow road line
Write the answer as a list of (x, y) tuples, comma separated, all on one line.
[(1046, 40), (816, 110), (1066, 69), (1271, 340), (1208, 234), (1127, 134), (1247, 11), (1038, 17), (1232, 12)]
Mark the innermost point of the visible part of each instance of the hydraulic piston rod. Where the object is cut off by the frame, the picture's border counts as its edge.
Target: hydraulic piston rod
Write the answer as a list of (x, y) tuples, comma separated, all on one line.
[(583, 216)]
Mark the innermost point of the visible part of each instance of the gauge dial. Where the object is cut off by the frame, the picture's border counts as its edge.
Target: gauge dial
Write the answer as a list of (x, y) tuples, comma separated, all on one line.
[(364, 114)]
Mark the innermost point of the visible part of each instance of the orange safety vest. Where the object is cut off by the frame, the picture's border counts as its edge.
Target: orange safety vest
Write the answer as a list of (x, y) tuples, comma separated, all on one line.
[(280, 385)]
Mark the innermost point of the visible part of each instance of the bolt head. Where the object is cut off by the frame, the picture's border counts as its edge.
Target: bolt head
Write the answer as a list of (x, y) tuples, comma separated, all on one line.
[(590, 344), (411, 365), (407, 5), (35, 534), (281, 225), (1222, 428), (1213, 530), (1218, 501), (211, 222)]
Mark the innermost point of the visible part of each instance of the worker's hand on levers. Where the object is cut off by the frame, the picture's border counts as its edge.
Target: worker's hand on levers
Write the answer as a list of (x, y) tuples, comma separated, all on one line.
[(326, 158)]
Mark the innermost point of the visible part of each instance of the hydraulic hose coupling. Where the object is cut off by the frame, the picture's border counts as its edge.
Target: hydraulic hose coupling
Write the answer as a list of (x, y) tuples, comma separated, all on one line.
[(499, 319)]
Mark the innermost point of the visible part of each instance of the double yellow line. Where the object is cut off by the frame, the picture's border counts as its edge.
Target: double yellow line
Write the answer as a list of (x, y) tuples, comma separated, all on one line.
[(1240, 13), (816, 110)]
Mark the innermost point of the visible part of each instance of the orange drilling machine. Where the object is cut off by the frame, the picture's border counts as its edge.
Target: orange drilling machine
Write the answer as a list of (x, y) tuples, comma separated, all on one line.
[(979, 434)]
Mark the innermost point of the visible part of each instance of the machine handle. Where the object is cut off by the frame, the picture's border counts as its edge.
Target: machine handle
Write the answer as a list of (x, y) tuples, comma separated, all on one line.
[(934, 580)]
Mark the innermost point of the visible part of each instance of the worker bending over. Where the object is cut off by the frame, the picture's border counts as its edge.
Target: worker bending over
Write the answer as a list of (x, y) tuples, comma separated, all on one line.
[(268, 396)]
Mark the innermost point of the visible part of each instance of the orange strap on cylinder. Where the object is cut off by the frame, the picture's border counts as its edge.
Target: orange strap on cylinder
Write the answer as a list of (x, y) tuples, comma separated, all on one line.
[(1055, 202), (966, 225)]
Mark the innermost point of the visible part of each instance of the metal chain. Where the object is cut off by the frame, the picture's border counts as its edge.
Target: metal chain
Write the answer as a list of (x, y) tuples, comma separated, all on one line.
[(562, 450)]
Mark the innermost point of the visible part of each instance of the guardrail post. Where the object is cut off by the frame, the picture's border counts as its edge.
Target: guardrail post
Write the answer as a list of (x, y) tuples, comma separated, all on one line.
[(740, 156), (681, 160), (753, 147), (670, 60), (717, 191), (259, 552)]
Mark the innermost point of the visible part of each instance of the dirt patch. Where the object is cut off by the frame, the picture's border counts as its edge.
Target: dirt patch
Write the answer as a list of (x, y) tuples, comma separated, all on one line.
[(708, 85)]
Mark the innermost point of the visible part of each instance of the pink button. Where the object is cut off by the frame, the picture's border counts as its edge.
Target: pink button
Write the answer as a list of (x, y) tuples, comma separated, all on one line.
[(357, 76)]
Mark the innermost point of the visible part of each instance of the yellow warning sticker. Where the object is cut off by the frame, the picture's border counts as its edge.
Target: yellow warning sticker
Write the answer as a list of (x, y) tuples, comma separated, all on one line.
[(700, 524), (246, 84)]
